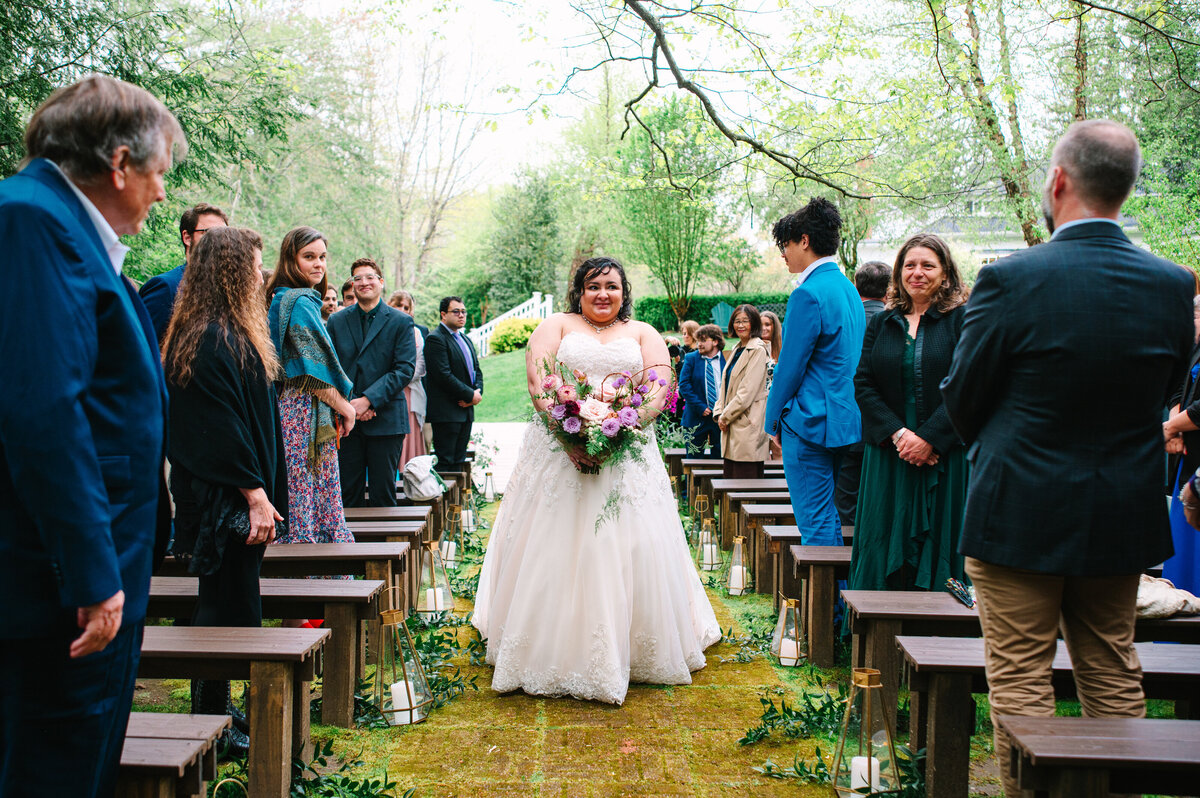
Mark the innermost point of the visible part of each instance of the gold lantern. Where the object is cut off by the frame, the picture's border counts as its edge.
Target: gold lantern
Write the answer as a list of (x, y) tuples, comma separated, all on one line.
[(402, 692), (468, 512), (740, 578), (708, 547), (785, 643), (489, 487), (700, 505), (434, 594), (865, 762), (451, 540)]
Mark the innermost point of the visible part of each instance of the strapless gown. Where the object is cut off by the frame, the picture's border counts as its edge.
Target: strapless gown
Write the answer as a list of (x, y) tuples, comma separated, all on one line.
[(569, 609)]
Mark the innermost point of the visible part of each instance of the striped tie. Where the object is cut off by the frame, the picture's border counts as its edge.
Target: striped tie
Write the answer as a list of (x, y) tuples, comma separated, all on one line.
[(710, 382)]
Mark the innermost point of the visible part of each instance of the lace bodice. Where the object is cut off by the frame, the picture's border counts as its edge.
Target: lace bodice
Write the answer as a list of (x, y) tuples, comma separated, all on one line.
[(596, 359)]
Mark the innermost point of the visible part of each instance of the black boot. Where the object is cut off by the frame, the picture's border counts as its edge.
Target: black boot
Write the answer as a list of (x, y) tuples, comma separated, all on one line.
[(212, 698), (240, 722)]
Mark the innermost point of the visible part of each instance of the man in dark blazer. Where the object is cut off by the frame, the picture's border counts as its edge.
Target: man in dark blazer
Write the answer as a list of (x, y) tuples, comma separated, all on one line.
[(699, 381), (377, 349), (82, 427), (811, 411), (1069, 352), (871, 280), (453, 384), (158, 293)]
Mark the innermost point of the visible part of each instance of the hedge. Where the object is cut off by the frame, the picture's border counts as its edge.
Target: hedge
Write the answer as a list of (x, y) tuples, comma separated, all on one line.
[(512, 334), (655, 311)]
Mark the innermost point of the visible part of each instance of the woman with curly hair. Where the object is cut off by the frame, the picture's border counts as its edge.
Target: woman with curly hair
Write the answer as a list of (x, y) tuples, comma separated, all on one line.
[(313, 408), (226, 450), (914, 471)]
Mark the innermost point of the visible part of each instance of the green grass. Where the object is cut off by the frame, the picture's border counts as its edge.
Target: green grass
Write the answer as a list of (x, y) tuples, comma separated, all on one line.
[(505, 391)]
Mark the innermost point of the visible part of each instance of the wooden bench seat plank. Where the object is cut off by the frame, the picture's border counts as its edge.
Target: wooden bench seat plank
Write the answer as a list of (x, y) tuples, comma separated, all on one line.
[(820, 567), (412, 512), (181, 726), (230, 643)]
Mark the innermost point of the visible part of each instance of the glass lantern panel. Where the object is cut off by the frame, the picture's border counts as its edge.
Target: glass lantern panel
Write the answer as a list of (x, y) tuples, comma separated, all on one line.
[(785, 643), (740, 579), (434, 593), (867, 765)]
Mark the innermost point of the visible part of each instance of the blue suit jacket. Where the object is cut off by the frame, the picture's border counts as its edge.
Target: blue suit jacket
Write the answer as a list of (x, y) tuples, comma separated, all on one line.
[(691, 388), (82, 417), (379, 364), (158, 294), (813, 389)]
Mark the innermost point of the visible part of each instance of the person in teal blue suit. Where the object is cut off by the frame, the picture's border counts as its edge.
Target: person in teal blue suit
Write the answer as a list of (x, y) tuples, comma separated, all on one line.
[(811, 410), (82, 437)]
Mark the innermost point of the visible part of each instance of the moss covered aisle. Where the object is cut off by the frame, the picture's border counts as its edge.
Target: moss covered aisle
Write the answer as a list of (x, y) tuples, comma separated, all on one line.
[(678, 740)]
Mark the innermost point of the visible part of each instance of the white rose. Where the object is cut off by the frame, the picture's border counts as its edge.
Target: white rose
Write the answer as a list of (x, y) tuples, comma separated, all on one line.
[(593, 411)]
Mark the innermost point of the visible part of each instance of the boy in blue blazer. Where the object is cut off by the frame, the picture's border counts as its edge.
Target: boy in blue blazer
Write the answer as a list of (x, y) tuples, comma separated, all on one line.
[(699, 378), (811, 411)]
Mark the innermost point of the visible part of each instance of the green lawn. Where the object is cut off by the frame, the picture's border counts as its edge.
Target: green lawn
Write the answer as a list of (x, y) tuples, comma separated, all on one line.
[(505, 395)]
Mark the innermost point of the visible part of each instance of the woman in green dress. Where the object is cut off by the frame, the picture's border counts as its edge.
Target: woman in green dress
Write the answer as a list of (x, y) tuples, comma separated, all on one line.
[(914, 472)]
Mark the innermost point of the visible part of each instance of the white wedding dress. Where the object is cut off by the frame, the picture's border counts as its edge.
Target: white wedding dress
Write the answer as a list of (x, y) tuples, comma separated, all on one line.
[(571, 610)]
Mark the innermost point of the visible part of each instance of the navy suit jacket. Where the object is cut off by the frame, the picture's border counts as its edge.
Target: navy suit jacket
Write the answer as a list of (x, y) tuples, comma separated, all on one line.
[(1069, 352), (447, 380), (379, 364), (691, 388), (158, 294), (82, 417), (812, 392)]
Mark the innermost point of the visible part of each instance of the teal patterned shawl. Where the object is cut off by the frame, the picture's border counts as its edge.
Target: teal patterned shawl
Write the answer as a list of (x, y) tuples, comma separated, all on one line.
[(309, 362)]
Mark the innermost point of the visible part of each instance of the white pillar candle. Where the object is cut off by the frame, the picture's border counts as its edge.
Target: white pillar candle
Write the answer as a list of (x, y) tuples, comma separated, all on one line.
[(710, 556), (435, 601), (789, 652), (468, 519), (404, 697), (449, 551), (858, 773), (738, 577)]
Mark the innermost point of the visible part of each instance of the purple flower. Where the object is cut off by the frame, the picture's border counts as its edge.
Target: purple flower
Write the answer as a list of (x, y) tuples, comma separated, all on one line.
[(610, 427), (652, 375), (618, 382), (643, 389), (572, 424), (662, 381), (628, 417), (635, 400), (558, 411), (626, 373)]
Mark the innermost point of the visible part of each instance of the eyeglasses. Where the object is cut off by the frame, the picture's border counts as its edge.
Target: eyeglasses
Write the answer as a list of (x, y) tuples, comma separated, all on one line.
[(364, 278), (459, 312), (200, 230)]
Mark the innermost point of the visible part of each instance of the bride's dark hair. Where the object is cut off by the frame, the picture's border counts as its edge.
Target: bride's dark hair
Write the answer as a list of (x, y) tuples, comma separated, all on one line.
[(594, 267)]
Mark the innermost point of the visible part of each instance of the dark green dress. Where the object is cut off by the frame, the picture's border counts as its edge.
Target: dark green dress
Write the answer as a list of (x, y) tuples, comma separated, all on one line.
[(909, 518)]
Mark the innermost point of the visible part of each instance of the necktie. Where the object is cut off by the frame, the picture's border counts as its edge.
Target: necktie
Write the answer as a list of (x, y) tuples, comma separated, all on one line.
[(466, 353), (710, 381)]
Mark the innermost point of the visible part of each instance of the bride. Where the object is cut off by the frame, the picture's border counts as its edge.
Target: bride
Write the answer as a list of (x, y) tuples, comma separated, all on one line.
[(569, 607)]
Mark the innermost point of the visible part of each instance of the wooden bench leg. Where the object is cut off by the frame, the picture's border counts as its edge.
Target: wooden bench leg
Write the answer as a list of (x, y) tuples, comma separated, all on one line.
[(789, 584), (381, 571), (948, 726), (881, 653), (145, 786), (758, 540), (821, 590), (270, 708), (340, 652), (302, 744), (1070, 783)]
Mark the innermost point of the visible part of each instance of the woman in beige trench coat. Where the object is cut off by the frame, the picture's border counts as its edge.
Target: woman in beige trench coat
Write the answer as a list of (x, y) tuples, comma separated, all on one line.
[(742, 398)]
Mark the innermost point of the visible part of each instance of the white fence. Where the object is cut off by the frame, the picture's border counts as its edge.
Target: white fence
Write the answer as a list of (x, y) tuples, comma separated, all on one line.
[(538, 306)]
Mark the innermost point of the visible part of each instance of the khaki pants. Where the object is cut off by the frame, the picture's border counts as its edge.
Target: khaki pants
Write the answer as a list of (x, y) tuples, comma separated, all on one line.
[(1021, 613)]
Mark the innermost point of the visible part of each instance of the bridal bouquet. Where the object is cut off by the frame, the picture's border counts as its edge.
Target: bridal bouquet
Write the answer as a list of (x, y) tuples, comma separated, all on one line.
[(602, 419)]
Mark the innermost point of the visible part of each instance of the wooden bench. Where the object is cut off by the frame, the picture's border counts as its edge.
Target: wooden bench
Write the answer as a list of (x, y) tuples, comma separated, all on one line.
[(732, 500), (1086, 757), (877, 617), (724, 488), (700, 484), (279, 663), (412, 512), (344, 604), (674, 461), (782, 577), (944, 672), (820, 567), (414, 533), (168, 755), (752, 517), (438, 508)]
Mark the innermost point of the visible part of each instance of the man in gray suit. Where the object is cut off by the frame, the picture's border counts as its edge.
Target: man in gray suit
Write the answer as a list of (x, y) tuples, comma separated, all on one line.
[(377, 350)]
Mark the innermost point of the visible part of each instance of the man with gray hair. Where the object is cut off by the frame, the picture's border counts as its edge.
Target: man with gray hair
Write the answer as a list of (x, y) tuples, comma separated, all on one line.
[(82, 420), (1069, 352)]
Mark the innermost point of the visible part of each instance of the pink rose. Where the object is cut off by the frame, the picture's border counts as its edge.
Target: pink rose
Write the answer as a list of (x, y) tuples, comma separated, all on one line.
[(566, 393), (594, 411), (552, 382)]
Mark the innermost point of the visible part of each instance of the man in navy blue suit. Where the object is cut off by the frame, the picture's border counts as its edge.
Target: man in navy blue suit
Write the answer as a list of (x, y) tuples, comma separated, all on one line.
[(699, 376), (159, 291), (811, 411), (82, 420)]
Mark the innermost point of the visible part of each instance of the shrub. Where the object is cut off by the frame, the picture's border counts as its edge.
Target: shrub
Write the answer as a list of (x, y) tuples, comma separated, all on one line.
[(655, 311), (512, 334)]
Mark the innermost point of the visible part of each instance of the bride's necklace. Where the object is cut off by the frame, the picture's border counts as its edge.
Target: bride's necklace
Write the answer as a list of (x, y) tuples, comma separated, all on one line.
[(599, 329)]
